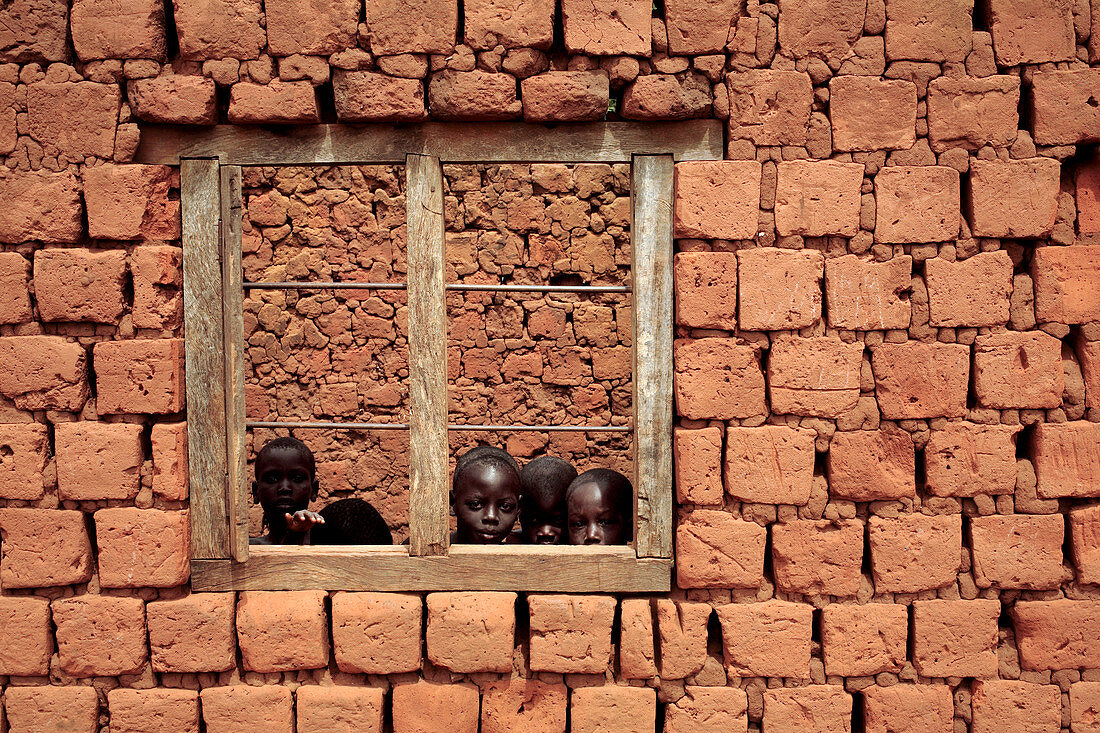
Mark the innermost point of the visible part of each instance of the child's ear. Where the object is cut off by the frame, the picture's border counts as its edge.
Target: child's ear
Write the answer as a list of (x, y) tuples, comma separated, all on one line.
[(255, 493), (314, 488)]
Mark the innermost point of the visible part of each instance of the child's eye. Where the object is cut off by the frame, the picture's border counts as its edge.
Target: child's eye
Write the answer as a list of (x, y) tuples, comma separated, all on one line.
[(300, 476), (576, 524), (473, 504), (608, 522), (507, 506), (270, 477)]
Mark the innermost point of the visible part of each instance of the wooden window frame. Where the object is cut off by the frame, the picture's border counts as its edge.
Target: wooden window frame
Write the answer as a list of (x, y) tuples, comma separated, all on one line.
[(210, 161)]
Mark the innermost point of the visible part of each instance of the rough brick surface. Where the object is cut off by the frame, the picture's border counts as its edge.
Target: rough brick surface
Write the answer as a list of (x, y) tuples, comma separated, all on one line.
[(566, 96), (376, 633), (43, 372), (872, 114), (232, 708), (365, 96), (717, 200), (1062, 106), (698, 461), (80, 284), (76, 119), (471, 632), (667, 97), (170, 476), (1013, 198), (700, 27), (780, 289), (1059, 634), (919, 380), (154, 711), (139, 376), (708, 710), (1026, 707), (279, 102), (770, 107), (624, 28), (300, 26), (509, 23), (857, 641), (571, 633), (965, 459), (26, 652), (682, 629), (717, 550), (180, 100), (817, 557), (1084, 529), (43, 547), (193, 634), (771, 464), (1084, 707), (473, 95), (823, 708), (973, 112), (818, 198), (770, 639), (98, 460), (863, 295), (215, 29), (101, 29), (396, 26), (706, 289), (34, 31), (871, 465), (1018, 370), (955, 638), (427, 707), (1027, 32), (613, 708), (1066, 279), (715, 378), (637, 645), (907, 709), (100, 636), (814, 376), (23, 456), (521, 704), (46, 709), (914, 552), (971, 292), (158, 287), (916, 203), (1067, 459), (335, 709), (41, 206), (279, 631), (131, 202), (15, 301), (143, 548), (819, 27), (1088, 355), (922, 31)]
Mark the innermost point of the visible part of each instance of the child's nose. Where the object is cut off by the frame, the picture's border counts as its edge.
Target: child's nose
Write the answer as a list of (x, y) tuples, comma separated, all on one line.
[(491, 515), (592, 535)]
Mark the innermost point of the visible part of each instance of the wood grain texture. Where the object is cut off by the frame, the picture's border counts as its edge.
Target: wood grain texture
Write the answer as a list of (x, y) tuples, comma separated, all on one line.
[(233, 326), (466, 567), (651, 239), (452, 142), (205, 360), (428, 448)]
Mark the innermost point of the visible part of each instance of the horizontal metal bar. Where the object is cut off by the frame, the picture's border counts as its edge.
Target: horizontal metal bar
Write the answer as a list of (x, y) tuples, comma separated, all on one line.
[(454, 287), (324, 286), (251, 424)]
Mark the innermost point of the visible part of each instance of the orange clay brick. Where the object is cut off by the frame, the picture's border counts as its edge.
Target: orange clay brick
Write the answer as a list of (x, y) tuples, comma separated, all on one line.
[(717, 200), (1017, 550), (427, 707), (158, 286), (706, 289), (769, 106), (1066, 282), (813, 376), (637, 654), (175, 99), (276, 103), (43, 547), (698, 460), (193, 634), (131, 202), (23, 456), (97, 460), (234, 708), (100, 636), (139, 376), (683, 633), (769, 639), (915, 552), (158, 710), (708, 710), (170, 476), (869, 113), (300, 27), (820, 708), (1031, 33), (1084, 707), (817, 198), (338, 709), (863, 295), (955, 638), (571, 634), (972, 112), (143, 548), (970, 292), (1013, 198), (47, 709), (1088, 354), (77, 118), (1023, 707), (471, 632), (817, 557), (916, 204), (100, 32), (771, 464), (716, 550), (1062, 106), (489, 22), (917, 32), (871, 465), (966, 459), (1018, 370), (473, 95), (529, 705), (1084, 530), (779, 289), (613, 708), (428, 27), (40, 206), (919, 380), (695, 28), (1087, 182), (15, 300), (377, 633), (908, 709), (1059, 634), (717, 378), (26, 650), (863, 640), (1067, 459), (44, 372), (810, 29), (565, 96), (280, 631)]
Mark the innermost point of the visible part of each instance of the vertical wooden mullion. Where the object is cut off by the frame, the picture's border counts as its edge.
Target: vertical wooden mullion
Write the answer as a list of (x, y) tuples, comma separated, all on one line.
[(233, 328), (205, 364), (652, 246), (428, 450)]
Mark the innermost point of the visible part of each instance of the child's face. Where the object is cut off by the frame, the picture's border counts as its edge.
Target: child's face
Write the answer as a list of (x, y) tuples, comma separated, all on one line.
[(594, 517), (284, 482), (544, 520), (486, 504)]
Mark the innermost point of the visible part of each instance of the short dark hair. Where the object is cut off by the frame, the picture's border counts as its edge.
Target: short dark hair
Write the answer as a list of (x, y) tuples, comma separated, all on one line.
[(351, 522), (291, 444), (619, 485), (483, 455), (546, 477)]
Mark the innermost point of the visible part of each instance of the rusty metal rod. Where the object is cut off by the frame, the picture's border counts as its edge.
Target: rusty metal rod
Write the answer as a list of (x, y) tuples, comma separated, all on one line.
[(454, 287), (251, 424)]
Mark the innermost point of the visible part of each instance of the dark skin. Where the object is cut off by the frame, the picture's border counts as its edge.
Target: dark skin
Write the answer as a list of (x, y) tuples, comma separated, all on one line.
[(544, 520), (285, 484), (486, 503), (594, 515)]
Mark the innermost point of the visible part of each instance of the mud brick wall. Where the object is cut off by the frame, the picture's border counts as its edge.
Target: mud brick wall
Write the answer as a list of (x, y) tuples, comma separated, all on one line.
[(888, 362)]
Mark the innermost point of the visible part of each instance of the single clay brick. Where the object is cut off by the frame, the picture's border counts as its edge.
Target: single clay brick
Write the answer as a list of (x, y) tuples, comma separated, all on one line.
[(280, 631), (871, 465), (917, 380), (131, 202), (965, 459), (571, 634), (821, 708), (706, 289), (1088, 354), (100, 31), (1000, 705), (35, 31), (276, 103), (1027, 32), (473, 95), (863, 640), (863, 295), (780, 289), (637, 654), (100, 636), (1084, 523), (175, 99), (26, 650), (1067, 459), (955, 638), (78, 119), (377, 633), (170, 476), (708, 710), (216, 29), (523, 704), (972, 112), (299, 26), (868, 113), (143, 548), (971, 292), (771, 464), (818, 557), (427, 707), (622, 29), (1013, 198), (1066, 281), (667, 97), (1062, 106), (49, 709), (816, 376), (139, 376), (366, 96), (1018, 370), (23, 456), (1059, 634), (471, 632), (43, 372), (770, 639), (698, 461), (683, 632), (15, 299), (397, 27), (509, 23), (908, 709), (716, 550), (717, 200), (613, 708), (1087, 182), (916, 204), (820, 27), (268, 708), (97, 460), (917, 30), (770, 107), (158, 287), (43, 548), (915, 552), (1084, 707), (566, 96), (158, 710), (717, 378), (700, 27), (338, 708), (40, 206), (193, 634), (816, 198)]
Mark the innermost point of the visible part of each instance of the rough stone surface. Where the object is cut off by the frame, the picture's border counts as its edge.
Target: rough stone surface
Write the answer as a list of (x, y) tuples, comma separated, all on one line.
[(613, 708), (131, 202), (1065, 280), (427, 707), (907, 709), (26, 652), (216, 29), (817, 557), (871, 465), (682, 629), (816, 198), (623, 28), (100, 636), (972, 112), (1015, 705), (938, 31), (914, 552), (771, 464), (1062, 107), (43, 372), (279, 102), (1018, 370), (110, 29), (41, 206), (863, 640), (916, 204), (571, 634), (715, 378), (822, 28), (139, 376), (365, 96), (1029, 32), (34, 31), (705, 289), (1058, 634), (1084, 707), (23, 456), (179, 100), (47, 709), (77, 119), (769, 639), (509, 23), (700, 27), (1013, 198), (397, 26), (269, 708), (823, 708), (98, 460), (473, 95), (865, 295), (143, 548), (158, 287), (566, 96), (955, 638), (15, 300), (80, 285), (305, 27), (522, 704), (163, 710), (872, 114), (716, 200), (1017, 551), (716, 550), (708, 710), (339, 708), (697, 456), (1084, 529)]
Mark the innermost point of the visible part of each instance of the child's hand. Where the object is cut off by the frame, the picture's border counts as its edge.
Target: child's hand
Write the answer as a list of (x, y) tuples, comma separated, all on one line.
[(303, 520)]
